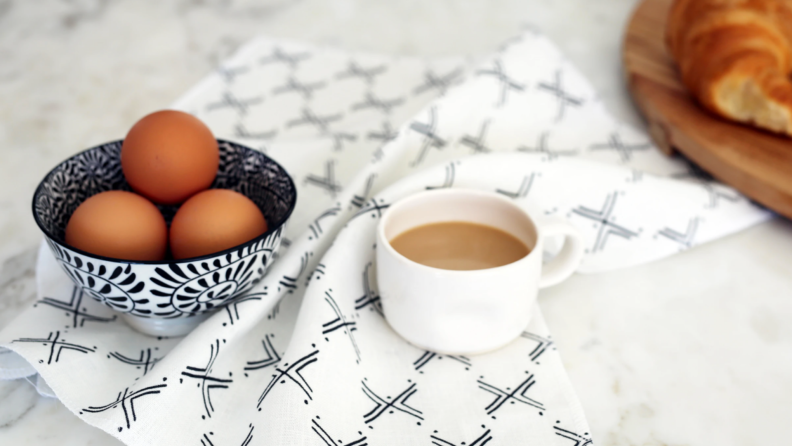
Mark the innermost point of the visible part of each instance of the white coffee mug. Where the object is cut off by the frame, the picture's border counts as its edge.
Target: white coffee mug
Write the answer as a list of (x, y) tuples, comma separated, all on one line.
[(467, 312)]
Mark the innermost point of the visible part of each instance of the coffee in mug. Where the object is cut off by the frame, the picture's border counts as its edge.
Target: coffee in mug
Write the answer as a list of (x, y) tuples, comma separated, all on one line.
[(459, 245)]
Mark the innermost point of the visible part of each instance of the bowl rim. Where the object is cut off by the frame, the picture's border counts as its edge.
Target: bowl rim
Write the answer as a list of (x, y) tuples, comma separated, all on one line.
[(270, 230)]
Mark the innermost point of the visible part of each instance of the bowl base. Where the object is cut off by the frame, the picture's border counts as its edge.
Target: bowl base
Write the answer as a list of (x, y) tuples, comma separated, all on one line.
[(164, 327)]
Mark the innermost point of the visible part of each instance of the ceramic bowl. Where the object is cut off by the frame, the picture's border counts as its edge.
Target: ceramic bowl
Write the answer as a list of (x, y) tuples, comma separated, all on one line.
[(168, 297)]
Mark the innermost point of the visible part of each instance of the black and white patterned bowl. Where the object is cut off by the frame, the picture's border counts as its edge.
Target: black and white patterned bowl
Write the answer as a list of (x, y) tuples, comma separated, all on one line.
[(165, 297)]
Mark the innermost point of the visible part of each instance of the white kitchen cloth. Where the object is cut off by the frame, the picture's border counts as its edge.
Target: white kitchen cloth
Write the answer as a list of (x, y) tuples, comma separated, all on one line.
[(307, 358)]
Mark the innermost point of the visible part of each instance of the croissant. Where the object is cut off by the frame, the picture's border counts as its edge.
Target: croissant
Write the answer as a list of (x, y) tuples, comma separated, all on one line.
[(735, 57)]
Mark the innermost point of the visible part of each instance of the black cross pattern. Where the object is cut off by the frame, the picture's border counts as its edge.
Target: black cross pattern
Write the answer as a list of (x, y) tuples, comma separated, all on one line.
[(477, 143), (542, 344), (370, 296), (276, 309), (511, 396), (316, 226), (579, 440), (240, 105), (241, 131), (127, 397), (146, 362), (289, 59), (372, 208), (386, 404), (359, 200), (206, 381), (604, 218), (229, 74), (367, 74), (428, 356), (340, 322), (386, 134), (271, 358), (56, 345), (716, 195), (291, 282), (683, 238), (448, 181), (292, 372), (72, 308), (481, 440), (329, 440), (506, 83), (310, 118), (564, 99), (430, 137), (304, 88), (543, 147), (523, 190), (206, 441), (340, 137), (371, 101), (625, 151), (317, 274), (249, 436), (232, 309), (327, 182), (440, 83)]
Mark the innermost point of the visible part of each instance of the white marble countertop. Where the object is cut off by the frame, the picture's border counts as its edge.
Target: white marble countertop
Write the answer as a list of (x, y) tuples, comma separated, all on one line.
[(692, 350)]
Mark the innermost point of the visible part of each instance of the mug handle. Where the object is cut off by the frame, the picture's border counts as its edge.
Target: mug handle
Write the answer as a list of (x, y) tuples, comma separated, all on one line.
[(566, 262)]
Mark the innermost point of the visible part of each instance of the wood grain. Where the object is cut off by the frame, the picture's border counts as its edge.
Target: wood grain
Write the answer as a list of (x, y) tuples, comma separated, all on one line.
[(757, 163)]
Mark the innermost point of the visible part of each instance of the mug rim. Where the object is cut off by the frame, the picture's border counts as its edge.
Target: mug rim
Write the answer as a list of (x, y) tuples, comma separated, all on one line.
[(270, 230), (489, 195)]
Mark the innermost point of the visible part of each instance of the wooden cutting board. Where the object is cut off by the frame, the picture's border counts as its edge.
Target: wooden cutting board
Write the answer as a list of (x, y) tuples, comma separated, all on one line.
[(757, 163)]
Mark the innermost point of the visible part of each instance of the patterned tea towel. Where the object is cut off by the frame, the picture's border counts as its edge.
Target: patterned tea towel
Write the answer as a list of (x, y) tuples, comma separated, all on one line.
[(307, 358)]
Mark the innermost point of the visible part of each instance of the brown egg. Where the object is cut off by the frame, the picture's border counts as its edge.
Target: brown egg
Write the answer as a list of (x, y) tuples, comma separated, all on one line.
[(169, 155), (118, 224), (212, 221)]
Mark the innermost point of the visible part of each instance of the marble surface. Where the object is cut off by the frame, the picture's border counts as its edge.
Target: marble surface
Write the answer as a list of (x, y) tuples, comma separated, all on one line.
[(691, 350)]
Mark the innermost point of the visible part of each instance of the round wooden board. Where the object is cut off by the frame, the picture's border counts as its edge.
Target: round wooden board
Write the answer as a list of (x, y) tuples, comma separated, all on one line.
[(757, 163)]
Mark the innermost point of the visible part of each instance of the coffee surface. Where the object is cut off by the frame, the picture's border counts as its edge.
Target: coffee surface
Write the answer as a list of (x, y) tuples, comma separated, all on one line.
[(458, 245)]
